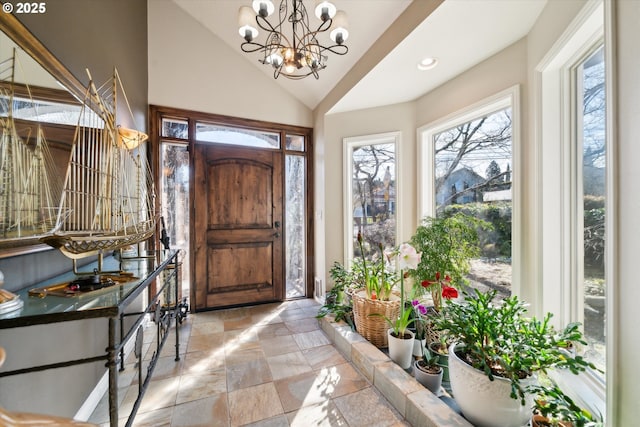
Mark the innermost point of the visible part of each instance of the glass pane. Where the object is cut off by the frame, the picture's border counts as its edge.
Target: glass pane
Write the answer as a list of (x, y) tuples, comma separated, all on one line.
[(374, 197), (236, 136), (173, 128), (593, 202), (295, 142), (295, 232), (473, 175), (174, 199), (47, 111)]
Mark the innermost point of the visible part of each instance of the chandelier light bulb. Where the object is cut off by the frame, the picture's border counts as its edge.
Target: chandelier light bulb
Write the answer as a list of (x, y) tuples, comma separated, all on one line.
[(339, 28), (246, 23), (325, 10), (263, 8)]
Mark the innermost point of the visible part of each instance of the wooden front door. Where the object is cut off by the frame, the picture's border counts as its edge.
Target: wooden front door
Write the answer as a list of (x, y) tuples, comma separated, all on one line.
[(238, 249)]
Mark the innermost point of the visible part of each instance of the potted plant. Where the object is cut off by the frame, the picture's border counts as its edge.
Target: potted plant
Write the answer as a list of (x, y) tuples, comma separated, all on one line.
[(553, 408), (420, 314), (427, 371), (441, 349), (447, 244), (338, 301), (374, 301), (496, 349), (400, 338)]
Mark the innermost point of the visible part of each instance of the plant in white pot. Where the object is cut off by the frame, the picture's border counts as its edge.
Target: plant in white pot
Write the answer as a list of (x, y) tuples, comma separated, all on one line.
[(495, 354), (399, 336)]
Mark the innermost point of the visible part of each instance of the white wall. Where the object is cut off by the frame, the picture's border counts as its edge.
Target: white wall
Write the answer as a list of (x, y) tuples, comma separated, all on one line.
[(625, 317), (190, 68)]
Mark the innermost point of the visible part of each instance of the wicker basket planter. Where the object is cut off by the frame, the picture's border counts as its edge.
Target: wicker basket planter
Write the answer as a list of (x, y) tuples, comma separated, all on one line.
[(374, 328)]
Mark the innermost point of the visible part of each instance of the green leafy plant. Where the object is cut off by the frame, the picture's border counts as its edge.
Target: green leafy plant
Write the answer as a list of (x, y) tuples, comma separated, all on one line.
[(373, 275), (500, 340), (429, 361), (336, 301), (558, 409), (407, 258), (447, 244)]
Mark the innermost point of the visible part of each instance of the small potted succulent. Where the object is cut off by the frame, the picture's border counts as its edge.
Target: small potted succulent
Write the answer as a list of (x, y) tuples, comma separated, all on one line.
[(427, 371), (497, 348)]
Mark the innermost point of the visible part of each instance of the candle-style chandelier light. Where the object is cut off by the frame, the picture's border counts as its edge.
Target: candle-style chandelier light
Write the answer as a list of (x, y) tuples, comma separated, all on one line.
[(291, 47)]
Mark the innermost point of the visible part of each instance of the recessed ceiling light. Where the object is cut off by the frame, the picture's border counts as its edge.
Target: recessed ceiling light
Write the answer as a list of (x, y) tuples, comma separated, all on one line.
[(427, 64)]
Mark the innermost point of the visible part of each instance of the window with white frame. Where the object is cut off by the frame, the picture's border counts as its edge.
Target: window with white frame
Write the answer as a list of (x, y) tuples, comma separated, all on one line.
[(574, 206), (371, 192), (467, 161)]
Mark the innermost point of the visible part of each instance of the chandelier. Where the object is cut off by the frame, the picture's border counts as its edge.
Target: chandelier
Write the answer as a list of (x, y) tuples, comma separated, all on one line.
[(295, 53)]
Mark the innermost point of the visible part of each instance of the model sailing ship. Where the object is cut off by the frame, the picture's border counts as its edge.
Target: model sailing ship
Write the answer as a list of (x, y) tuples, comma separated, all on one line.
[(108, 195), (30, 184)]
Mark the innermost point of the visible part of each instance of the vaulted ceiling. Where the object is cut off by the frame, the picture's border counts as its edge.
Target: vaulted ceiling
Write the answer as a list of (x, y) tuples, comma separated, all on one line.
[(459, 33)]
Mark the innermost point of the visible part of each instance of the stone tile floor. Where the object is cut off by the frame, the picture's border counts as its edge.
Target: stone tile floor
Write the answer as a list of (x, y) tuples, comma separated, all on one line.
[(268, 365)]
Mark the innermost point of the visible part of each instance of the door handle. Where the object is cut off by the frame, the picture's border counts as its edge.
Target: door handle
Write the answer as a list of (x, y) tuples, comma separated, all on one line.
[(277, 224), (276, 234)]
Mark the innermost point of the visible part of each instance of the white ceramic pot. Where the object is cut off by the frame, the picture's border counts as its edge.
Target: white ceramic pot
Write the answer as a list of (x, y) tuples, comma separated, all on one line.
[(401, 350), (483, 402), (418, 346)]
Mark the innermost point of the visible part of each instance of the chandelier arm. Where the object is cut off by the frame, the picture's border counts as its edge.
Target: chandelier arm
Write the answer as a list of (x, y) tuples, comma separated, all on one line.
[(338, 49)]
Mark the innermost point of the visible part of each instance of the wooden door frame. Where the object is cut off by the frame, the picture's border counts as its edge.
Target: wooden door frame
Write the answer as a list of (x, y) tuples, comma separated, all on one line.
[(157, 113)]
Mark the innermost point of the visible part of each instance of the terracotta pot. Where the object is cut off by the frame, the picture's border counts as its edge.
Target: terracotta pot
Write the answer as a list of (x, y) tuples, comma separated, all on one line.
[(541, 421), (431, 381), (483, 402), (401, 349)]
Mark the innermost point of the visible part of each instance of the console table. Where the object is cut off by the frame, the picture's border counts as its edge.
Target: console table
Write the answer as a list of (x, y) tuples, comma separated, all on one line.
[(159, 267)]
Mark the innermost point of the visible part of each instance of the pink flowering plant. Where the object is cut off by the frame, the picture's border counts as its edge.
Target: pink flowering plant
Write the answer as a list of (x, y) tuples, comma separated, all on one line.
[(407, 259)]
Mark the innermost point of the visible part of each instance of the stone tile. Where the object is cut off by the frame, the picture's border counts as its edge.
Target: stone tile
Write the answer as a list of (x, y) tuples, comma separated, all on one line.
[(288, 365), (367, 408), (394, 383), (238, 356), (166, 367), (248, 374), (159, 394), (214, 326), (157, 418), (241, 338), (252, 404), (200, 386), (323, 356), (344, 338), (203, 361), (277, 421), (365, 356), (205, 342), (243, 323), (293, 314), (318, 386), (302, 325), (424, 409), (273, 330), (279, 345), (311, 339), (210, 412), (324, 414)]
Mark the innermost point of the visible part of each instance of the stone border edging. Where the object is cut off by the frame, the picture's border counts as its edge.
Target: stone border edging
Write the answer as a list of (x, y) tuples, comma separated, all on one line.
[(416, 404)]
